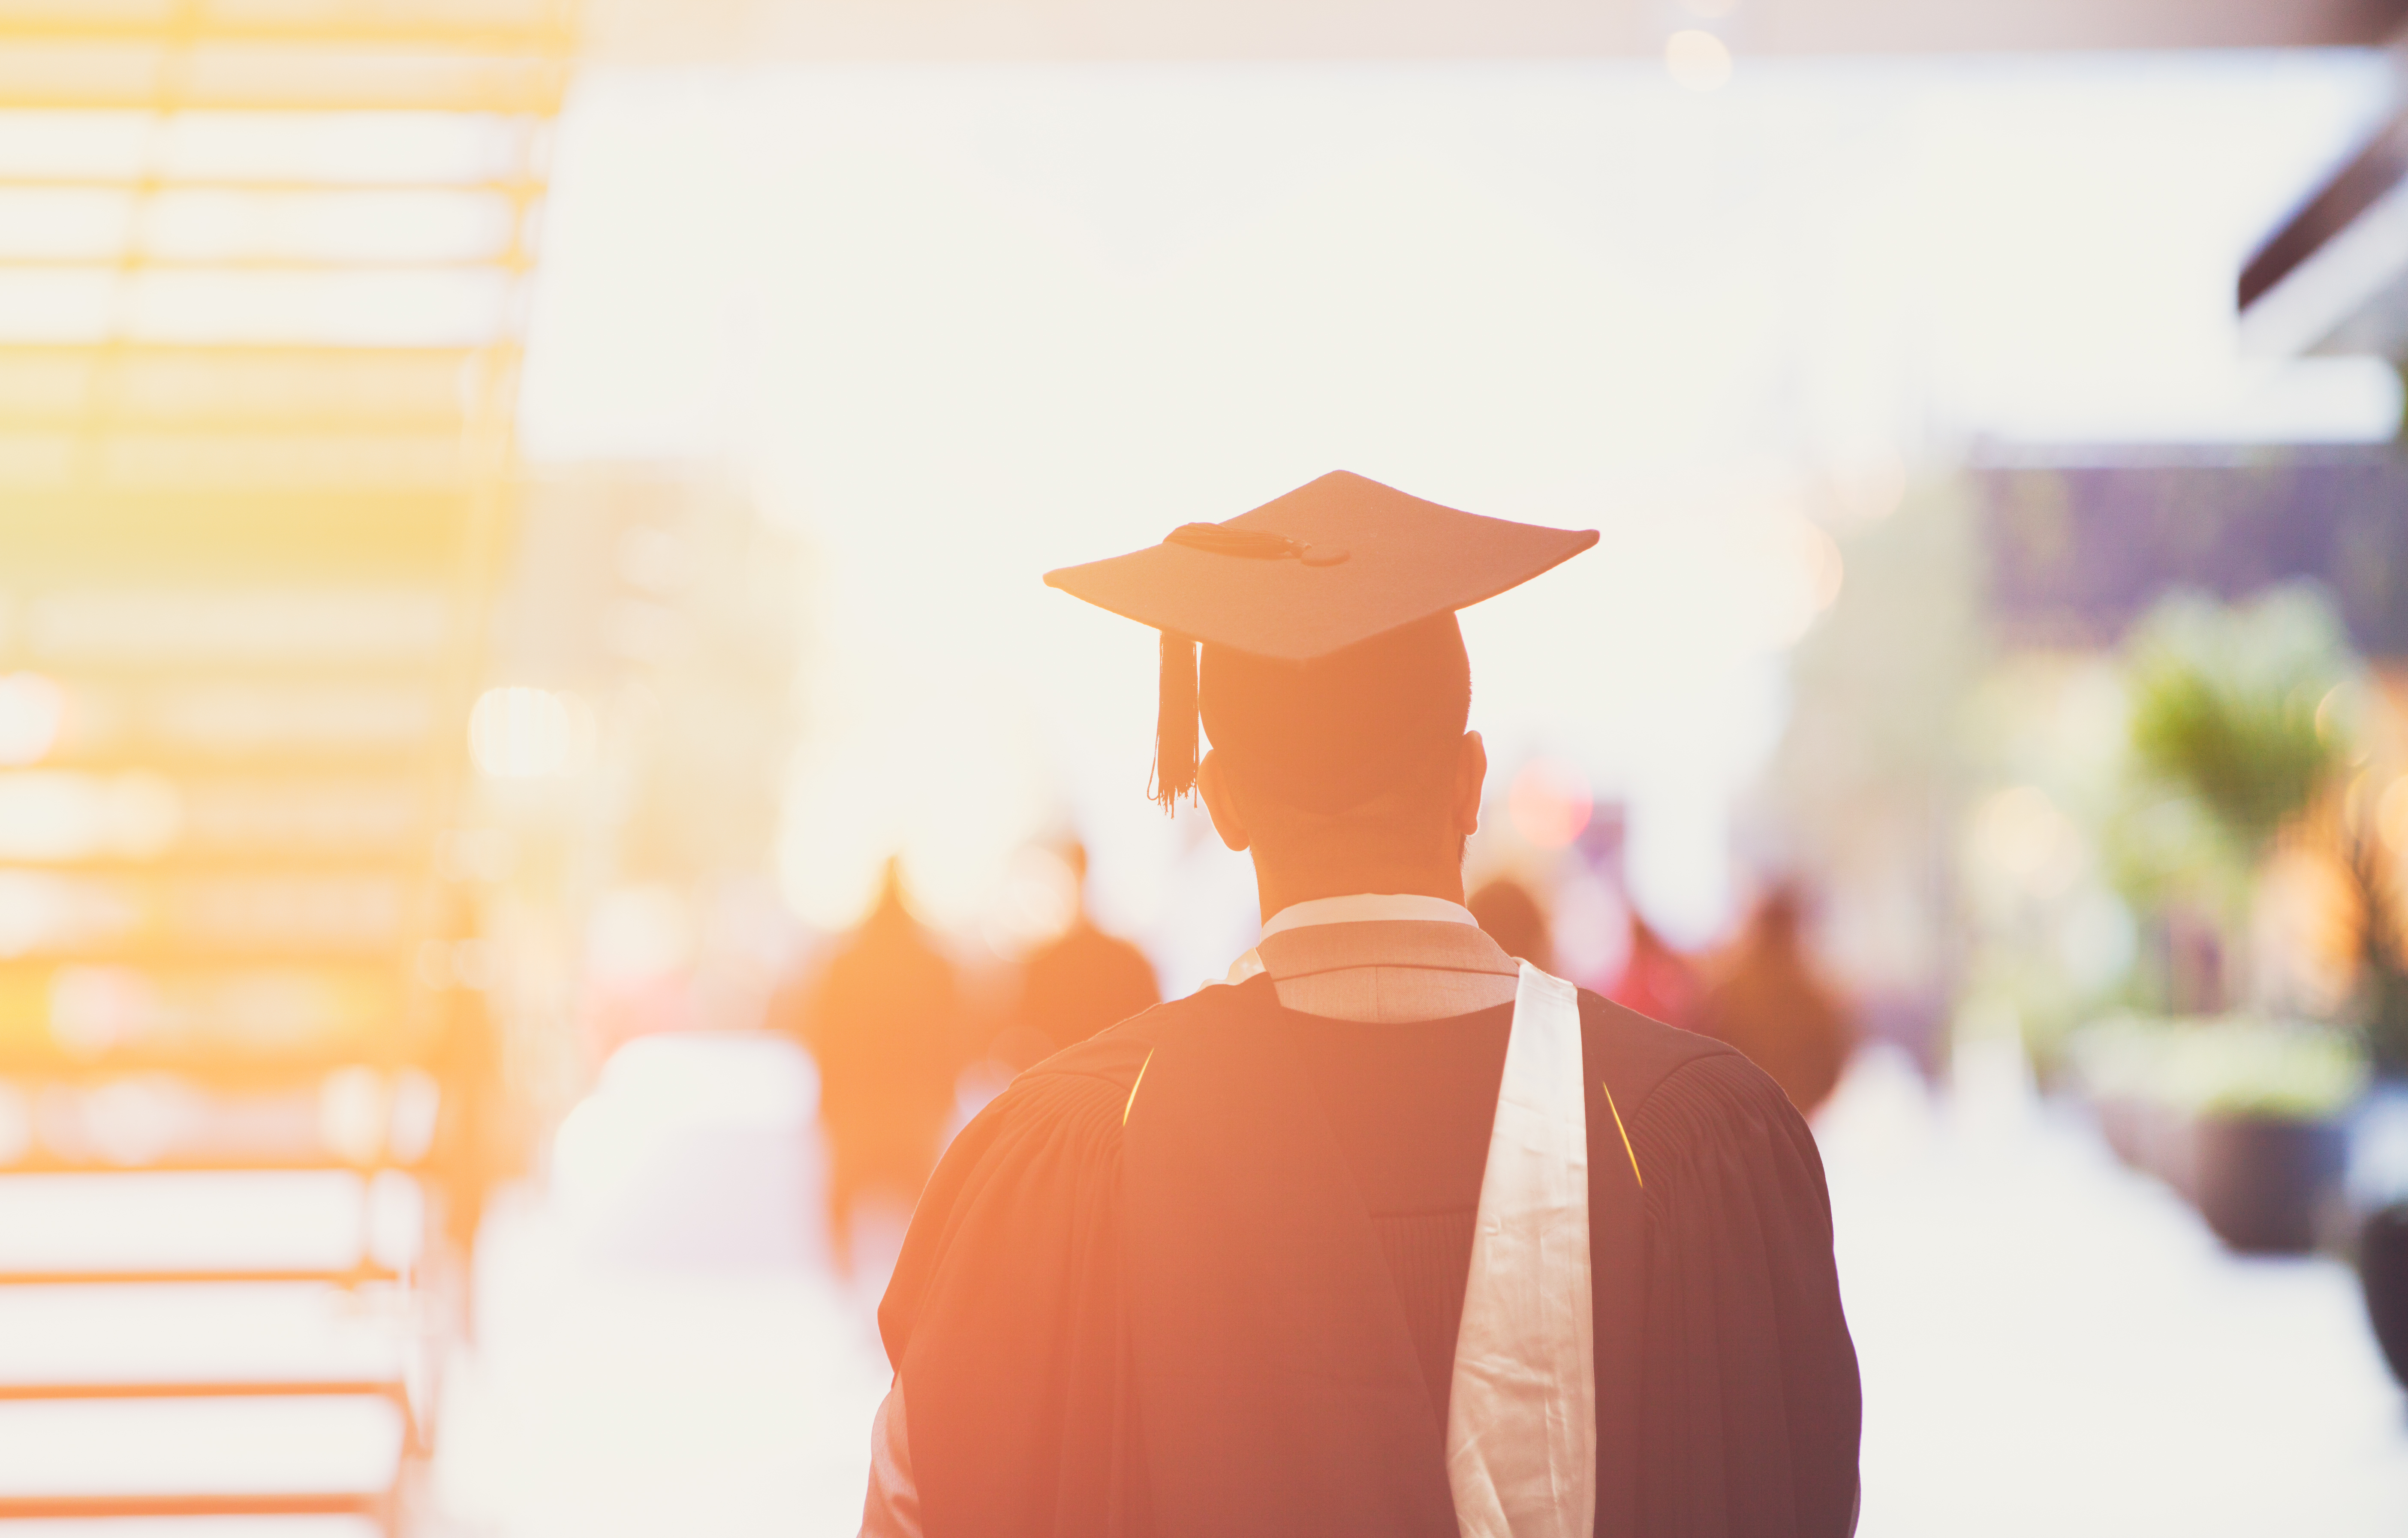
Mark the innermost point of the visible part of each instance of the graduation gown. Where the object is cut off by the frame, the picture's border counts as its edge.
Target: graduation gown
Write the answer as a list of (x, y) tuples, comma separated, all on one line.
[(1201, 1275)]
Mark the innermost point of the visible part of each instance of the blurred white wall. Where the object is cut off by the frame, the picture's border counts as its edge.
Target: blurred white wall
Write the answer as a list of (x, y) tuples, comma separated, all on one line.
[(961, 325)]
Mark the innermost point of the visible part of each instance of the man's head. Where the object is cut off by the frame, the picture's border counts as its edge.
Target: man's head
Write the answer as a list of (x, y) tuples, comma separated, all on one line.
[(1353, 773), (1333, 683)]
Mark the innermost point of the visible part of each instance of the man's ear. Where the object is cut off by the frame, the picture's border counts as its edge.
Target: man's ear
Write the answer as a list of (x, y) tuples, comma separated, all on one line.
[(1470, 779), (1213, 785)]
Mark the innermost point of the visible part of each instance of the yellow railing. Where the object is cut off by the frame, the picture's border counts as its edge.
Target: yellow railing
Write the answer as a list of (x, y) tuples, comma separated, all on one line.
[(264, 284), (263, 270)]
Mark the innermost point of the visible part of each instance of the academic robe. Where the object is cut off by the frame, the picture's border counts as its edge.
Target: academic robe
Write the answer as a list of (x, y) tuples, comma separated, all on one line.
[(1175, 1281)]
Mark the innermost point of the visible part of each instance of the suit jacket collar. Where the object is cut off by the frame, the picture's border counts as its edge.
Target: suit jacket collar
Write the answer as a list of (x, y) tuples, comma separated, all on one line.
[(1368, 908)]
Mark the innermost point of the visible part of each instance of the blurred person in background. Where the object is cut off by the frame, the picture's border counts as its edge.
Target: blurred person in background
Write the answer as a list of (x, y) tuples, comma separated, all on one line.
[(1510, 915), (1077, 984), (883, 1024), (1656, 981), (1392, 1234), (471, 1151), (1764, 996)]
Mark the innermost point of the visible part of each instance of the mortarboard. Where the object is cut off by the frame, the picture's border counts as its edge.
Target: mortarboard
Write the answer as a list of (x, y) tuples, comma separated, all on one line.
[(1327, 621)]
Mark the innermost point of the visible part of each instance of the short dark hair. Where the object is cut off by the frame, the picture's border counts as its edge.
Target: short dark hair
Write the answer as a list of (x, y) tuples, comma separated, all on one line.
[(1328, 735)]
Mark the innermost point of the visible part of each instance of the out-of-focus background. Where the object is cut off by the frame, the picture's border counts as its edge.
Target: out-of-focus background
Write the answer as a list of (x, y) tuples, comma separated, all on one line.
[(538, 783)]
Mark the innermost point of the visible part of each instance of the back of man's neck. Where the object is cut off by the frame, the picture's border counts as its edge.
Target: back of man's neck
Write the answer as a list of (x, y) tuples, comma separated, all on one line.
[(1275, 894)]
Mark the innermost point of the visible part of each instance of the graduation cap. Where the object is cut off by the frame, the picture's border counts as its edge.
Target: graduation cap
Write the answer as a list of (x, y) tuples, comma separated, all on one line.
[(1332, 665)]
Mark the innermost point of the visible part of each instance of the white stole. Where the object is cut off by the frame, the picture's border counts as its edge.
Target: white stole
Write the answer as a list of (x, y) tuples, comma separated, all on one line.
[(1521, 1420), (1520, 1424)]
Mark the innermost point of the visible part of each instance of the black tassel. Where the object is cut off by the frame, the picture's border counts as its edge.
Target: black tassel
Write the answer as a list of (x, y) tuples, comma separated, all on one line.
[(1174, 729)]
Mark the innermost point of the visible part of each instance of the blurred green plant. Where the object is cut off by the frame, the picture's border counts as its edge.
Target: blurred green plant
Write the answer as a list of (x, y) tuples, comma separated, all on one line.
[(2223, 1065), (2242, 707), (2244, 718), (2382, 958)]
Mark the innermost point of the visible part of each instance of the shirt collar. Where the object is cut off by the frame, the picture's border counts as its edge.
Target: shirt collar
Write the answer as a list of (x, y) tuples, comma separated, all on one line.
[(1368, 908)]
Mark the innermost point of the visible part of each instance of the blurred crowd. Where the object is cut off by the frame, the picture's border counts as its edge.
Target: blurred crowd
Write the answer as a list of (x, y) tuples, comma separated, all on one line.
[(899, 1045), (906, 1051)]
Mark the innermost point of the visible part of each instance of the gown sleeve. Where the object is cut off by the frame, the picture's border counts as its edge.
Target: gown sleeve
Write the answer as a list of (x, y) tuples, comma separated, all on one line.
[(893, 1507), (1005, 1321), (1748, 1378)]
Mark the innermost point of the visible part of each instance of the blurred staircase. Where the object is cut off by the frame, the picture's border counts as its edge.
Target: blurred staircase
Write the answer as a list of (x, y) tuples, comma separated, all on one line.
[(264, 276)]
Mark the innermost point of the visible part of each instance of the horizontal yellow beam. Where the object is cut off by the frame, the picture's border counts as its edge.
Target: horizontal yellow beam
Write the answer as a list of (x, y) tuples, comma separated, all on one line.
[(356, 913), (493, 26), (97, 423), (314, 355), (235, 1070), (398, 32), (518, 189), (229, 722), (221, 535), (505, 261), (274, 77), (403, 859), (408, 392), (237, 462), (132, 256)]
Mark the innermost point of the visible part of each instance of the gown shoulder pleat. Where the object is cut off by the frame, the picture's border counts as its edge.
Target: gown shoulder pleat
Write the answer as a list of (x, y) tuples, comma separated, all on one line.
[(1748, 1380), (1005, 1318)]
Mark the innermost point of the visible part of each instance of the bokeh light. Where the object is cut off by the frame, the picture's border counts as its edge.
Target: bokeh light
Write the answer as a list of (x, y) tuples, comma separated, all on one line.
[(1549, 803), (31, 710), (2391, 816), (520, 733), (1039, 901), (1697, 60)]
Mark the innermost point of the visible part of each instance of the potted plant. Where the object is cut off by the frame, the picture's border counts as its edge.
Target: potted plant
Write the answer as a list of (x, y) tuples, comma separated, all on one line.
[(2383, 1272), (2243, 1117), (2265, 1103), (2239, 722), (2124, 1066)]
